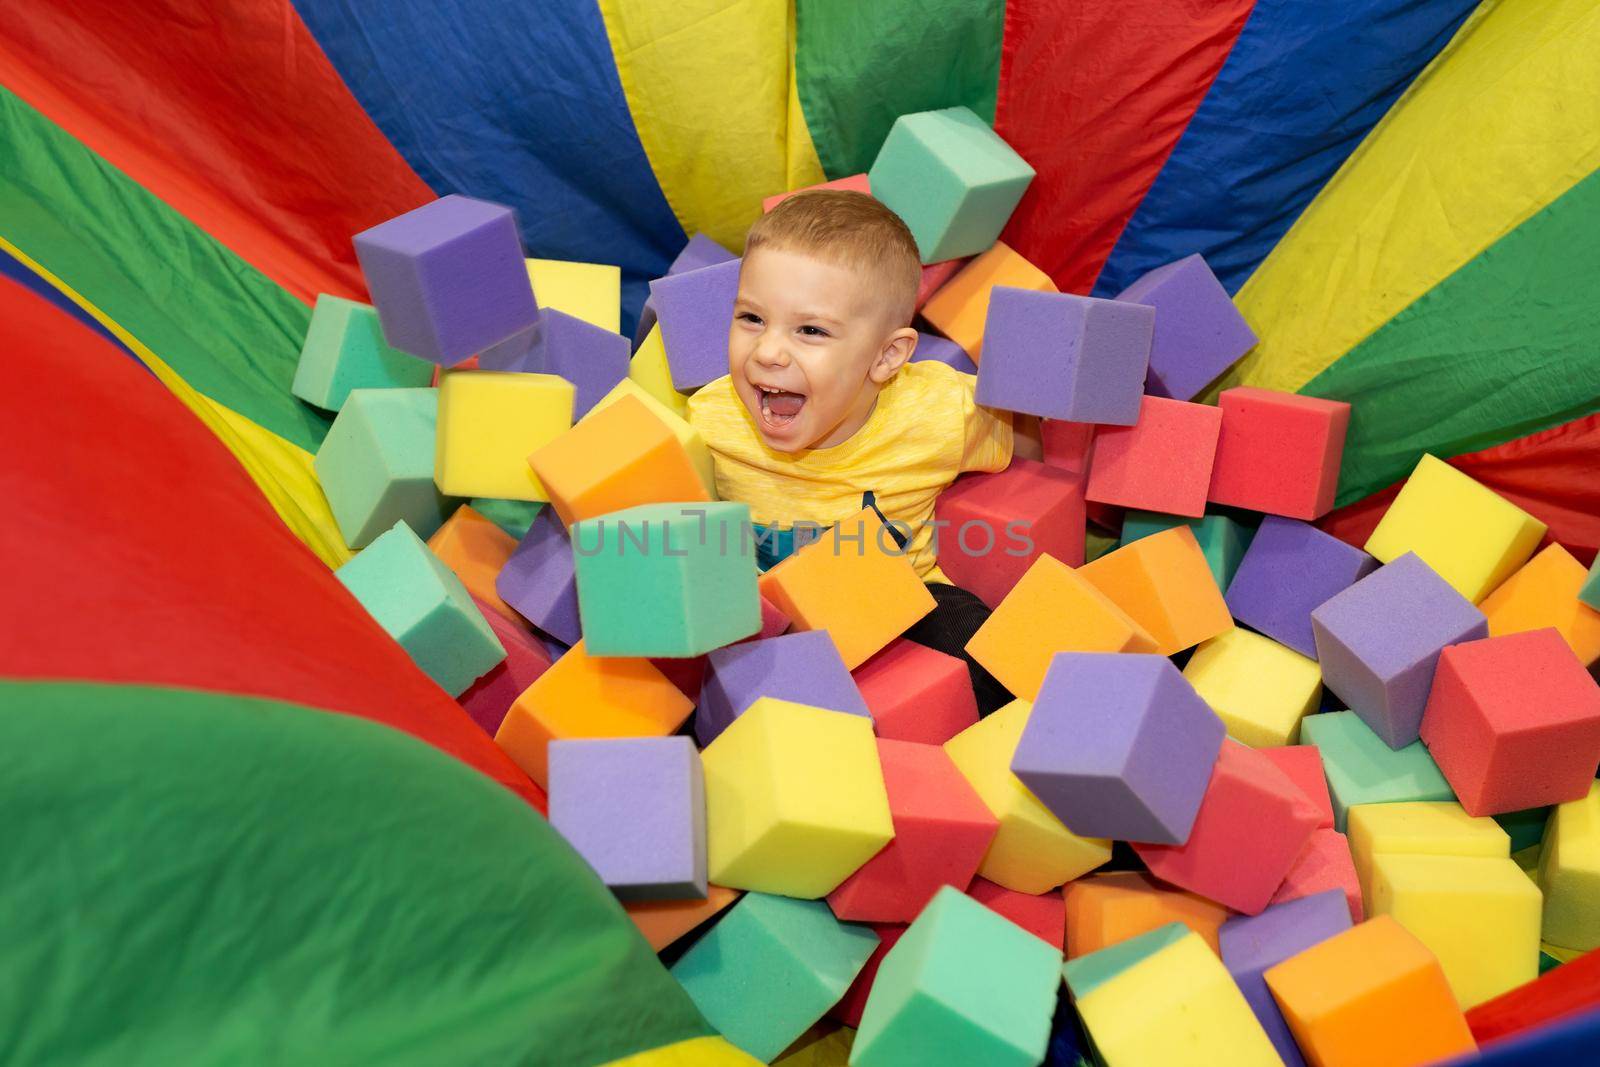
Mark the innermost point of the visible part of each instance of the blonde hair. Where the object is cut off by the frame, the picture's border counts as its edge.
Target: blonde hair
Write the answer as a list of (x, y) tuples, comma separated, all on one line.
[(852, 230)]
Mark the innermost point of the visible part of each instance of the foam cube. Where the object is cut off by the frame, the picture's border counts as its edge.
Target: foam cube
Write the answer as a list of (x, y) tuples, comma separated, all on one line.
[(1199, 333), (447, 278), (1064, 356), (589, 696), (488, 423), (1066, 444), (1478, 915), (931, 346), (592, 359), (1472, 536), (476, 550), (1569, 873), (770, 968), (1545, 593), (1259, 688), (1303, 766), (1561, 991), (489, 698), (512, 516), (376, 464), (695, 312), (853, 582), (1251, 827), (1043, 915), (344, 349), (588, 291), (618, 457), (1379, 642), (1424, 828), (1110, 908), (795, 800), (688, 436), (664, 922), (1525, 828), (1222, 540), (1161, 463), (1052, 609), (1290, 569), (935, 275), (539, 581), (926, 1008), (951, 178), (1371, 994), (1043, 503), (1164, 997), (941, 832), (917, 693), (1589, 593), (1363, 769), (649, 370), (1278, 452), (700, 251), (1119, 746), (801, 668), (855, 183), (848, 1010), (960, 309), (1164, 584), (1250, 944), (635, 810), (1033, 852), (424, 607), (1323, 864)]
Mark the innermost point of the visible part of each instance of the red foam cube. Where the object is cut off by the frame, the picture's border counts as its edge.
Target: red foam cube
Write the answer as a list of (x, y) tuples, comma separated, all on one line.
[(1324, 863), (1160, 463), (1044, 915), (1278, 452), (1513, 722), (942, 830), (1066, 444), (917, 693), (848, 1010), (935, 275), (855, 183), (1252, 825), (1303, 766), (489, 698), (1015, 515)]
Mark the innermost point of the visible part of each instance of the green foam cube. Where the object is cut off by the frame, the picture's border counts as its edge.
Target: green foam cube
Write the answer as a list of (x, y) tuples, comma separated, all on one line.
[(951, 178), (963, 985), (376, 464), (1589, 591), (344, 350), (1363, 769), (1087, 973), (1525, 827), (770, 968), (672, 580), (422, 604), (512, 516), (1222, 540)]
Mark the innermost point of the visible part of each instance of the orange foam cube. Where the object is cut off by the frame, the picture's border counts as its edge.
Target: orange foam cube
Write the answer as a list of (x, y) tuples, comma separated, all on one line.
[(1544, 592), (475, 549), (1165, 585), (961, 306), (1104, 909), (589, 696), (616, 457), (664, 921), (854, 582)]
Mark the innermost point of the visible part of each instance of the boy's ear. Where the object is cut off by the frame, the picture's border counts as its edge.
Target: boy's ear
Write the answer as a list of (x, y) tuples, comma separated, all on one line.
[(897, 348)]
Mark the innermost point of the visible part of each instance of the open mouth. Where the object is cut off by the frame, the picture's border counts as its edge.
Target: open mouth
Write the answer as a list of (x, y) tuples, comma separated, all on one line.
[(779, 407)]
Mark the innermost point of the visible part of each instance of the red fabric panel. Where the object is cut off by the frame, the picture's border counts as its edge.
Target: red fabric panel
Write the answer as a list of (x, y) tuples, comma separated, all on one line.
[(1095, 96), (137, 550), (228, 111), (1565, 990)]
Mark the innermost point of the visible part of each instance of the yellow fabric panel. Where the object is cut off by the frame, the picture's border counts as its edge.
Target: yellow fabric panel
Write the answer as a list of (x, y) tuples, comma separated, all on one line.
[(281, 470), (1502, 122), (710, 85), (695, 1052)]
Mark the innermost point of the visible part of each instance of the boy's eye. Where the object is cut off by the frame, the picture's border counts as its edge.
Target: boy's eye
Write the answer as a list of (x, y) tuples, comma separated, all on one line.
[(818, 331), (746, 315)]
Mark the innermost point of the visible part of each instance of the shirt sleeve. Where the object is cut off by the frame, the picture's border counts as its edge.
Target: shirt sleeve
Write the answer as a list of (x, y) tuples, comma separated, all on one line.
[(987, 434)]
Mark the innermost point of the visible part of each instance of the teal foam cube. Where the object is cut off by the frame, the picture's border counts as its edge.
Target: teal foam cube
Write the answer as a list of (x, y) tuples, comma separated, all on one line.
[(1589, 592), (672, 580), (1362, 769), (963, 985), (512, 516), (951, 178), (1087, 973), (1525, 827), (423, 605), (376, 464), (344, 350), (770, 968), (1222, 540)]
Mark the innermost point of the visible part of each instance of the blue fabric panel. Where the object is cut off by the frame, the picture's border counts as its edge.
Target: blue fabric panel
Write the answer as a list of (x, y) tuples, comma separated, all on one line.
[(1573, 1040), (13, 269)]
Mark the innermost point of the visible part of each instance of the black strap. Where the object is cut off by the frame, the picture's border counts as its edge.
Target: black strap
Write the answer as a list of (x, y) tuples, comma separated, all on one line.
[(870, 500)]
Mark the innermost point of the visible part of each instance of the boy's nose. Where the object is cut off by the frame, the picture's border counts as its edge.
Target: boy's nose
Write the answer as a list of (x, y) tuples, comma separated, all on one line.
[(771, 353)]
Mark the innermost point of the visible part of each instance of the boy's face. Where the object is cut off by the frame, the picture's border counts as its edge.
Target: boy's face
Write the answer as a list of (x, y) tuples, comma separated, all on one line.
[(818, 334)]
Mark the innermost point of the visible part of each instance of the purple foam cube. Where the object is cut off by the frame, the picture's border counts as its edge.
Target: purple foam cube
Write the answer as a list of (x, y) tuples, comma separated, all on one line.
[(1253, 943), (943, 350), (635, 809), (1064, 357), (804, 668), (448, 278), (539, 580), (1380, 640), (1289, 570), (1119, 745), (1199, 332), (593, 359), (701, 251), (696, 312)]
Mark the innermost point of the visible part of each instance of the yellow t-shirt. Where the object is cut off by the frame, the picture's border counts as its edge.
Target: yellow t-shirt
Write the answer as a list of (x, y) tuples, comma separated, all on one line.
[(927, 428)]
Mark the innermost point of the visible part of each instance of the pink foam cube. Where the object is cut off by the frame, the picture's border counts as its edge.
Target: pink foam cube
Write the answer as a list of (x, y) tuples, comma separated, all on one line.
[(1278, 452), (1323, 864), (1160, 463), (1303, 765), (1031, 509), (917, 693), (856, 183)]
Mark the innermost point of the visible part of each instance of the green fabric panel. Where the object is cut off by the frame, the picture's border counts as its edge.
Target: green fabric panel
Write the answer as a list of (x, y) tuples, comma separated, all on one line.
[(197, 877), (226, 328), (1507, 345), (860, 66)]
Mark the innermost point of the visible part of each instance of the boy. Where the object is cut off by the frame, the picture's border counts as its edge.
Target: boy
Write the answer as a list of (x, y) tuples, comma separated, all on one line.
[(822, 415)]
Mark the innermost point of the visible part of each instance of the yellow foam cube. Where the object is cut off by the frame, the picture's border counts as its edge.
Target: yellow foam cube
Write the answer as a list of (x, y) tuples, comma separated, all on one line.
[(795, 799), (1569, 873), (649, 370), (1258, 688), (1033, 852), (695, 445), (1472, 536), (1545, 593), (1479, 916), (488, 423), (588, 291), (1419, 827)]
